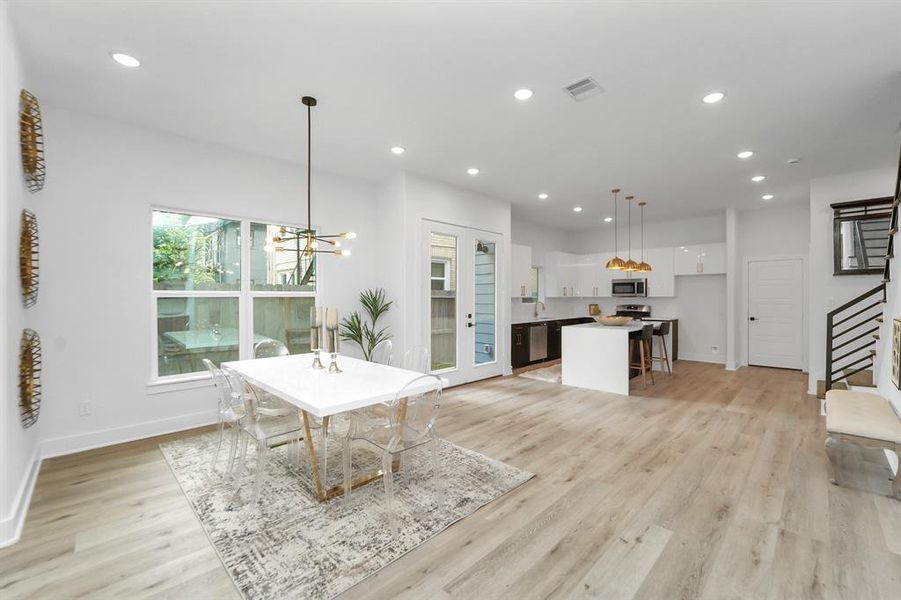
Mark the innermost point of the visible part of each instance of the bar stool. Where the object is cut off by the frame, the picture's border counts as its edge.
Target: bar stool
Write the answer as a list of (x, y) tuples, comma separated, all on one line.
[(644, 337), (661, 332)]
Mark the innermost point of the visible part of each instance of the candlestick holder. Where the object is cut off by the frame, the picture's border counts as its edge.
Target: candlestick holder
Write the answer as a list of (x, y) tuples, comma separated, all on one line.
[(332, 338), (316, 335)]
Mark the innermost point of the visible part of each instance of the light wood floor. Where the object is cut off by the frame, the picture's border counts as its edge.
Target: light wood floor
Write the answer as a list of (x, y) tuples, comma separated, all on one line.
[(712, 485)]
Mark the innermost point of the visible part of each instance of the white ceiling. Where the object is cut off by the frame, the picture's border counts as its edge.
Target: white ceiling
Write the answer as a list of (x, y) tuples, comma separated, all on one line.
[(820, 81)]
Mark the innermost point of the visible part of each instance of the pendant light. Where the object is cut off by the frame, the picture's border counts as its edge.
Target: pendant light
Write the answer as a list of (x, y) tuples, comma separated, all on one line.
[(643, 267), (308, 236), (615, 263), (630, 265)]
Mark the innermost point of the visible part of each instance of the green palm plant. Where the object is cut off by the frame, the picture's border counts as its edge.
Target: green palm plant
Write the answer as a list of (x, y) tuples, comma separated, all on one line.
[(365, 333)]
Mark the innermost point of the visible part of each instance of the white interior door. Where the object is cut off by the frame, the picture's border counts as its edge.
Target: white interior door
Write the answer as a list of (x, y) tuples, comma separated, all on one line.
[(462, 301), (775, 294)]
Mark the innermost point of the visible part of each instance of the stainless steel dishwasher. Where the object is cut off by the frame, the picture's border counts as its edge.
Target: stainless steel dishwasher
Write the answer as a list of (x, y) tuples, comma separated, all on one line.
[(537, 342)]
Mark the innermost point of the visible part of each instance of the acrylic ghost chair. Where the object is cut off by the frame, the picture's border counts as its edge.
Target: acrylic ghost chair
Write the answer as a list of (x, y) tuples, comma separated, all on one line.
[(269, 348), (231, 411), (265, 426), (382, 353), (417, 358), (410, 424)]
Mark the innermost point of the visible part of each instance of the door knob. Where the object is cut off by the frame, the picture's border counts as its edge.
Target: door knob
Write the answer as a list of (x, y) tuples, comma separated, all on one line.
[(753, 318), (470, 325)]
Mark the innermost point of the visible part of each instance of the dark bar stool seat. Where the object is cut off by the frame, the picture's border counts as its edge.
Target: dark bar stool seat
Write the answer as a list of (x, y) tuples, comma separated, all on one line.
[(644, 338), (660, 333)]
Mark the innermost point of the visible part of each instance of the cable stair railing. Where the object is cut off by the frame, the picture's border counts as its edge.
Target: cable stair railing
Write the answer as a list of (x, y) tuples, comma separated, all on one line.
[(852, 329)]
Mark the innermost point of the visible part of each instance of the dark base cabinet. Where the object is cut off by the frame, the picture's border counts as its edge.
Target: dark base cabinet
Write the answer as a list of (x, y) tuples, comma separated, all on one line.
[(519, 356)]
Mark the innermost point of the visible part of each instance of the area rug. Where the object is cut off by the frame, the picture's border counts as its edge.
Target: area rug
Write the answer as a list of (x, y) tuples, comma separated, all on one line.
[(296, 547), (552, 374)]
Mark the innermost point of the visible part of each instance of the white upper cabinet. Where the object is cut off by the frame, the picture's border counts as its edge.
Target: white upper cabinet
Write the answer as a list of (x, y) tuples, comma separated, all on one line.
[(561, 274), (590, 276), (661, 280), (713, 258), (701, 259), (520, 270)]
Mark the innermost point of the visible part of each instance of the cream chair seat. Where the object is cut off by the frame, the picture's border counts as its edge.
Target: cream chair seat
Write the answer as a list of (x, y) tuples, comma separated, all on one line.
[(862, 419)]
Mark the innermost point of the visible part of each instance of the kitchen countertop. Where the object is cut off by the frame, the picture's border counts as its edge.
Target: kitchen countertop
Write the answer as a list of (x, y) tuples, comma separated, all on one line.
[(543, 319), (624, 328)]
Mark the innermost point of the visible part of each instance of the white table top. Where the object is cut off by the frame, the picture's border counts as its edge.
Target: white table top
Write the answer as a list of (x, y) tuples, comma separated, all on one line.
[(322, 394)]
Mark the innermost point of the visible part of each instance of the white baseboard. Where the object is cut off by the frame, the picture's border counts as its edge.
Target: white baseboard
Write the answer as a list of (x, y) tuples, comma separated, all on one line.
[(707, 358), (107, 437), (11, 525)]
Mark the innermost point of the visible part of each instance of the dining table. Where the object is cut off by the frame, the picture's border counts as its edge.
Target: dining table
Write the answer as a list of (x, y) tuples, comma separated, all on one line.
[(320, 394)]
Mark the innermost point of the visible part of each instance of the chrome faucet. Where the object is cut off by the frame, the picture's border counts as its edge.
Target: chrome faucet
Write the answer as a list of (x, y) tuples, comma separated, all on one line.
[(543, 305)]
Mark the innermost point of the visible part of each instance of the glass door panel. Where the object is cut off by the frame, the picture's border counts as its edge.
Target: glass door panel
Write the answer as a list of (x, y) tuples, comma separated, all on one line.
[(443, 300), (485, 287)]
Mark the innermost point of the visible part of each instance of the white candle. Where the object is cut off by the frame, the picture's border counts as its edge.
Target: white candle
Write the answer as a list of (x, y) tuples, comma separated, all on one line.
[(331, 318)]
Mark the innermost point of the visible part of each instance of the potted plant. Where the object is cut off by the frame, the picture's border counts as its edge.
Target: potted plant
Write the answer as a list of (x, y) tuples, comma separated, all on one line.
[(365, 333)]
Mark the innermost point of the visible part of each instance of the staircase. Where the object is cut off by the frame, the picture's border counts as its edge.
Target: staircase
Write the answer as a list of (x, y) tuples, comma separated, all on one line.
[(852, 329)]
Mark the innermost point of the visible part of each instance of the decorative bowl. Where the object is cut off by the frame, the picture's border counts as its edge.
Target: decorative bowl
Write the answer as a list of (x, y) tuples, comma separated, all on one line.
[(612, 320)]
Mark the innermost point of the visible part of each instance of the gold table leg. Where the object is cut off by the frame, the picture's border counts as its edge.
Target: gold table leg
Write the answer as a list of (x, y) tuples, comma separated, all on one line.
[(323, 494)]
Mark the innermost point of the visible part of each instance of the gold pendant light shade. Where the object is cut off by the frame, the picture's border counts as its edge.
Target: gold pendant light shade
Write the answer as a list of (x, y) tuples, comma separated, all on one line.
[(615, 263), (643, 267)]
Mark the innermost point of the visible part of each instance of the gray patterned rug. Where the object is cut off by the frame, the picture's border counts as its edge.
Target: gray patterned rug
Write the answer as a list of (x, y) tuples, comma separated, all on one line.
[(296, 547)]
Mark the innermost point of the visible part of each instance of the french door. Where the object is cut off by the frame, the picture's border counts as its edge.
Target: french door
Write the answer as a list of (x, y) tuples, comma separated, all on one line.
[(462, 268)]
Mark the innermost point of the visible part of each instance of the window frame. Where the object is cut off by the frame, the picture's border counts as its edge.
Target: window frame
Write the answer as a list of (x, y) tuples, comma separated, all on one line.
[(244, 293), (446, 278)]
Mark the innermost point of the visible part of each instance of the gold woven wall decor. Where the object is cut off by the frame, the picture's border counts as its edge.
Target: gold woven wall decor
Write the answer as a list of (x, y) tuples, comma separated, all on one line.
[(28, 258), (29, 378), (31, 138)]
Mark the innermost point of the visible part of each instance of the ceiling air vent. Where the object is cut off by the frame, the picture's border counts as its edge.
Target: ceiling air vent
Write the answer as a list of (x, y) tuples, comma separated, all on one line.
[(583, 89)]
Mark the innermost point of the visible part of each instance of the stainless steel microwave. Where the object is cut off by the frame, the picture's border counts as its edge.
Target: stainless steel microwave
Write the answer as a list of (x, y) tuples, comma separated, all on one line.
[(629, 288)]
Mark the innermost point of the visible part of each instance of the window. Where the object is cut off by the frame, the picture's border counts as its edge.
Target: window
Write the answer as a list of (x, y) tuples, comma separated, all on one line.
[(220, 298), (440, 275)]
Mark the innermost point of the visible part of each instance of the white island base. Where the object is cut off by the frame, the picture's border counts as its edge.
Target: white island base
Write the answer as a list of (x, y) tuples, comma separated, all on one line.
[(596, 356)]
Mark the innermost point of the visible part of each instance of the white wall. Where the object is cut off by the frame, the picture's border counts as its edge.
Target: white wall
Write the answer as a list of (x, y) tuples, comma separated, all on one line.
[(827, 291), (103, 179), (769, 233), (19, 460), (884, 383)]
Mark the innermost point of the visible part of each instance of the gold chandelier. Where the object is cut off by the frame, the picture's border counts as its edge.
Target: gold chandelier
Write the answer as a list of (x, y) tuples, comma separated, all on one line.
[(643, 267), (308, 236), (615, 263)]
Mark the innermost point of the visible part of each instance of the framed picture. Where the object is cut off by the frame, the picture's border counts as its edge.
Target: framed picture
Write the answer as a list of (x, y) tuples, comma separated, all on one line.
[(896, 353)]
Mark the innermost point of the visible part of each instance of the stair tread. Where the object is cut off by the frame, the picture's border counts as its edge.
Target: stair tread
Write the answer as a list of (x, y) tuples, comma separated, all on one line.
[(821, 388), (863, 378)]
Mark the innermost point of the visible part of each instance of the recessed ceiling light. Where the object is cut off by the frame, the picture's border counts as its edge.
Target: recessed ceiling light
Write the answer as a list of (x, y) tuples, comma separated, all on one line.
[(713, 97), (522, 94), (398, 150), (125, 60), (472, 171), (577, 209), (745, 154), (542, 196), (793, 161), (758, 178), (608, 219), (767, 197)]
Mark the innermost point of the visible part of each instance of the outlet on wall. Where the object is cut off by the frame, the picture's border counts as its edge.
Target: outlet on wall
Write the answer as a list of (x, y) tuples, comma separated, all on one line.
[(84, 408)]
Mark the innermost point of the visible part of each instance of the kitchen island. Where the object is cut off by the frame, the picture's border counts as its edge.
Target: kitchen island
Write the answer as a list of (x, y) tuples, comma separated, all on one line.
[(596, 356)]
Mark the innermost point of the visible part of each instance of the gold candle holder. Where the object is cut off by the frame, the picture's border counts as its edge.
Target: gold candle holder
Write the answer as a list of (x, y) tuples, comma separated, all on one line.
[(332, 338), (316, 335)]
